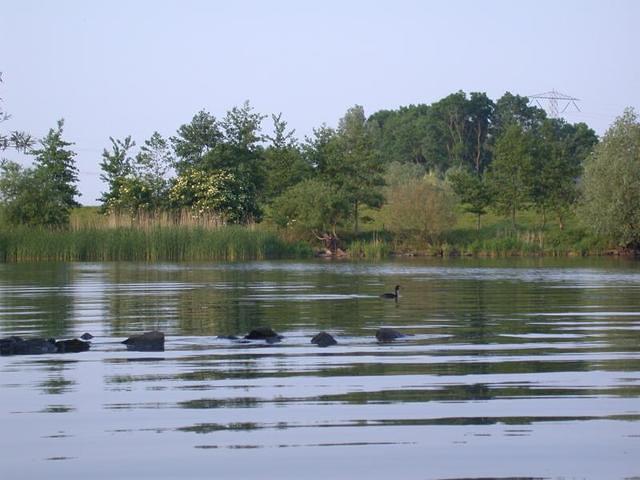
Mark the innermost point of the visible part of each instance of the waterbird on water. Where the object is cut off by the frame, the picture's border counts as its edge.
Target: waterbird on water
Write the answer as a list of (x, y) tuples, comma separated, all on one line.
[(392, 295)]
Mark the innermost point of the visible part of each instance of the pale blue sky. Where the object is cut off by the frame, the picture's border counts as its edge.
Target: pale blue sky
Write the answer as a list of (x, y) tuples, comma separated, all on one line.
[(116, 68)]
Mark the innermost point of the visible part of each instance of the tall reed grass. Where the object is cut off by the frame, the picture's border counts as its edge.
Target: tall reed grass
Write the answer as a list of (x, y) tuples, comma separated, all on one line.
[(152, 244)]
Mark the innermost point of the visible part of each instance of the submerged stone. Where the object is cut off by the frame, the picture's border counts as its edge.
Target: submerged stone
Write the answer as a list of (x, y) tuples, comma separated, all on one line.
[(324, 339), (264, 333), (146, 342), (72, 346), (86, 336), (37, 346), (389, 334)]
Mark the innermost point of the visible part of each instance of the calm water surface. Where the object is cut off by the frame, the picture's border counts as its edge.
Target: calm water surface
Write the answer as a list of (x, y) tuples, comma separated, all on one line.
[(515, 369)]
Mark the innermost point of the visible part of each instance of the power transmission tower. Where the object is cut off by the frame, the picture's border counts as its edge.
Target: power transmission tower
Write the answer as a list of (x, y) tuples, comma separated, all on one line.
[(555, 101)]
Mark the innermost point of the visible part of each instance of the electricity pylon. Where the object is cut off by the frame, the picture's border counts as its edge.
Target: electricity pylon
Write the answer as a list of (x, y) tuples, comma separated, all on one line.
[(555, 101)]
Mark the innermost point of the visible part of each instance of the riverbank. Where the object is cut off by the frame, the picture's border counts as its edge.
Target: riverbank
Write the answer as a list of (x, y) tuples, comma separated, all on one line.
[(93, 237)]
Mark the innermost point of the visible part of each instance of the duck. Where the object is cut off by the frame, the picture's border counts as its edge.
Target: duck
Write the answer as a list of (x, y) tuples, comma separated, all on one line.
[(395, 295)]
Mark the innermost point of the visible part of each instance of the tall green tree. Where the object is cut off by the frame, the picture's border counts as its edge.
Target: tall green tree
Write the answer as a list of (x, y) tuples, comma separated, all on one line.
[(45, 194), (117, 172), (231, 150), (480, 110), (611, 184), (512, 110), (283, 163), (510, 175), (152, 166), (195, 139), (402, 135), (356, 171), (56, 162), (559, 151), (473, 191)]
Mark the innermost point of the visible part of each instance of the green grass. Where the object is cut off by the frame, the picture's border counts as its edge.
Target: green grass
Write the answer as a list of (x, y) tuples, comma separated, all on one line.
[(134, 244), (496, 238), (93, 238)]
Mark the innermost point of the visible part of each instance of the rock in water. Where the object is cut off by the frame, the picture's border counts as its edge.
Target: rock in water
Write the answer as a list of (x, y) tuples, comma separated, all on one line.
[(72, 346), (146, 342), (263, 333), (323, 339), (86, 336), (388, 334), (30, 346)]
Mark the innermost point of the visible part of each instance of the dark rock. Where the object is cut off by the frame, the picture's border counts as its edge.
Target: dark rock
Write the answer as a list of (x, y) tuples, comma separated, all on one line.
[(264, 333), (30, 346), (323, 339), (72, 346), (146, 342), (7, 345), (388, 334), (86, 336)]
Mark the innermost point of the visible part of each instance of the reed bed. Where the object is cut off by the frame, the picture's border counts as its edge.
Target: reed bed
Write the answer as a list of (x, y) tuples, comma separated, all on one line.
[(158, 243)]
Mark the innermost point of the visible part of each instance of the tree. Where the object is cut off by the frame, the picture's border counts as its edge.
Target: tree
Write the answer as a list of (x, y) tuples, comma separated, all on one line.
[(480, 110), (402, 135), (217, 193), (312, 206), (352, 167), (152, 165), (421, 208), (284, 165), (194, 140), (559, 152), (117, 166), (45, 194), (514, 110), (56, 162), (472, 190), (611, 184), (511, 171)]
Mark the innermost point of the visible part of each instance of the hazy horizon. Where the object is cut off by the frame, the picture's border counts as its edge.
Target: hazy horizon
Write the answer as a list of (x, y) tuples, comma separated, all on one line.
[(118, 69)]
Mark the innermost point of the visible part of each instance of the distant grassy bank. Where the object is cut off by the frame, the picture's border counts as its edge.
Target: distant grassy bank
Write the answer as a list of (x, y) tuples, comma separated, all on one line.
[(497, 238), (92, 237)]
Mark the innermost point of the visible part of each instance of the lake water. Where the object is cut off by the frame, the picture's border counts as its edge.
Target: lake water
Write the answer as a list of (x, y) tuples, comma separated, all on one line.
[(526, 368)]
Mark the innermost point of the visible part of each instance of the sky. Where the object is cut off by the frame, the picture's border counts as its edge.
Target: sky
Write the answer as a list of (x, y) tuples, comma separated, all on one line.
[(118, 68)]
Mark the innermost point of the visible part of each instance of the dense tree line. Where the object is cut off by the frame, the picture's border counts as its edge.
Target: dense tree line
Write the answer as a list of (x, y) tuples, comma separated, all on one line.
[(415, 163)]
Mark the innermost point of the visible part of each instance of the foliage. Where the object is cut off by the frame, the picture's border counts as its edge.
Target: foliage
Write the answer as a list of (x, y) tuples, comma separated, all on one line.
[(611, 184), (472, 190), (117, 166), (559, 152), (220, 193), (152, 166), (284, 164), (194, 140), (45, 194), (311, 205), (511, 171), (400, 173), (421, 208)]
